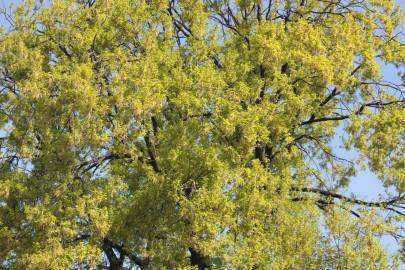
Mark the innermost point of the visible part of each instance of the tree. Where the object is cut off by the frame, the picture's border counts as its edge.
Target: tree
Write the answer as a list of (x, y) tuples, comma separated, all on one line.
[(199, 134)]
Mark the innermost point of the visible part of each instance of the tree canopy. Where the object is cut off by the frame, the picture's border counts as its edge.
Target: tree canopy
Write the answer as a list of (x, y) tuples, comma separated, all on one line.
[(200, 134)]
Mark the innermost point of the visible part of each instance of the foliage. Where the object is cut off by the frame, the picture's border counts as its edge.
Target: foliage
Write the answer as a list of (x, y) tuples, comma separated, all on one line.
[(179, 134)]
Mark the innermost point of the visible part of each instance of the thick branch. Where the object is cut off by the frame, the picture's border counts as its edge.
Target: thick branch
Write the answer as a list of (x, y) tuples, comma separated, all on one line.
[(376, 104), (152, 156), (383, 204), (141, 262), (199, 260), (114, 261)]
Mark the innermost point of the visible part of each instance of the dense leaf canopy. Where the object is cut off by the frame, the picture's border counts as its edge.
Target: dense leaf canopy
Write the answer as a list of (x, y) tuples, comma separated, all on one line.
[(199, 134)]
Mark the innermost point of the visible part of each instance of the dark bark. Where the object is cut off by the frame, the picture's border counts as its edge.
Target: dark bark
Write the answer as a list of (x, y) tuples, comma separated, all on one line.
[(115, 262), (199, 260)]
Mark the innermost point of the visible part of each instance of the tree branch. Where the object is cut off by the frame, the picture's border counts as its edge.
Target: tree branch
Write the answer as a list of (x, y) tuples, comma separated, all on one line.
[(383, 204), (141, 262), (376, 104), (199, 260)]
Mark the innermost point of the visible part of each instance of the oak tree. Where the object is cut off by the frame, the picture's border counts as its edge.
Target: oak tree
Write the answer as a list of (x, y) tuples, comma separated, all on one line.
[(200, 134)]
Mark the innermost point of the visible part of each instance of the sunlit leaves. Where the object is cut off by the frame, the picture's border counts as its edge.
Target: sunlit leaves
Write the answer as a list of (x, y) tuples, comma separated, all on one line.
[(195, 134)]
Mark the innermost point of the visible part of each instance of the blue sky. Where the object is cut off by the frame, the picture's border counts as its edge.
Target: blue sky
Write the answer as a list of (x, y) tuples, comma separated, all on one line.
[(365, 185)]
